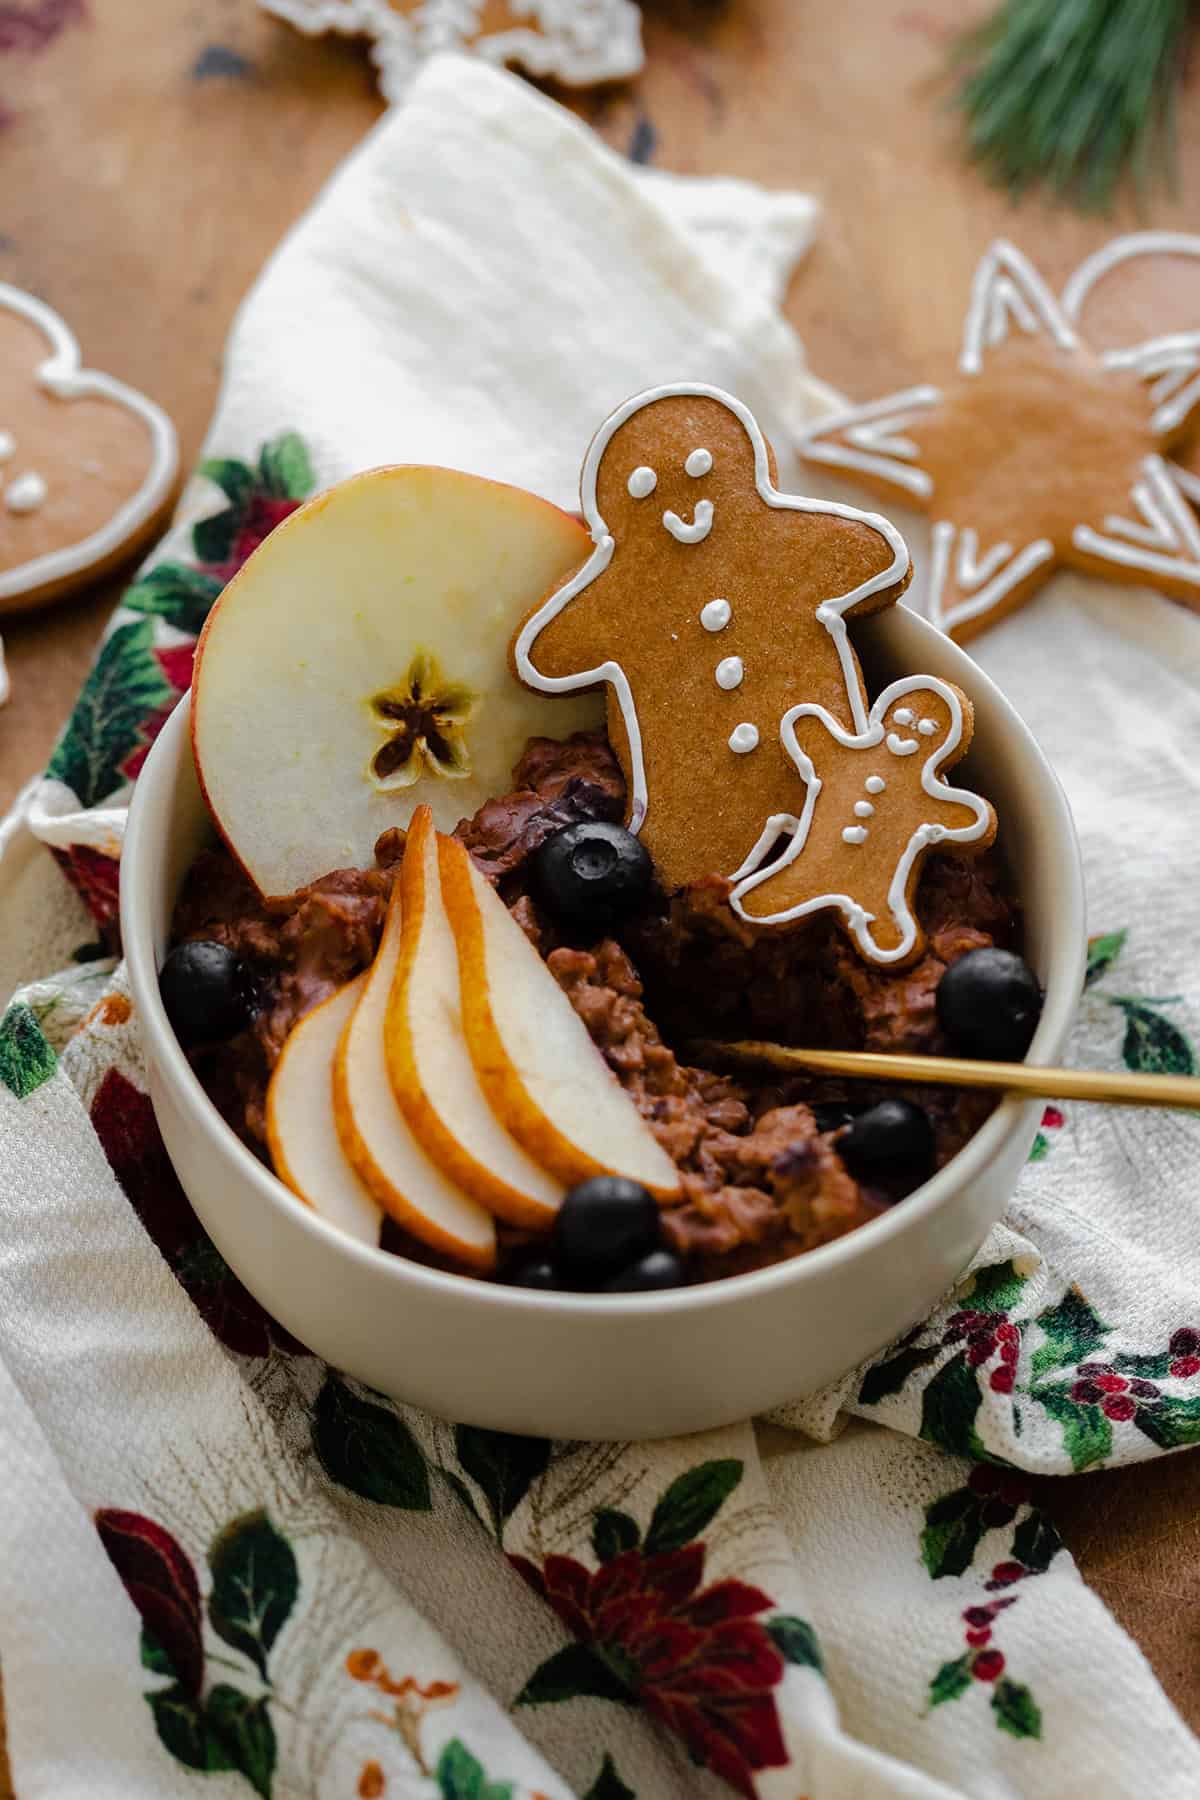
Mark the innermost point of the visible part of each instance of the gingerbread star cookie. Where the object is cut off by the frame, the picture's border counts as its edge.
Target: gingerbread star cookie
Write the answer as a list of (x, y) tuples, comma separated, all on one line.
[(1035, 452), (86, 464), (711, 605), (876, 802)]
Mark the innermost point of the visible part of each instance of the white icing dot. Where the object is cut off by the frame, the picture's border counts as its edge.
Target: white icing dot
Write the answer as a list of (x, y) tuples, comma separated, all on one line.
[(25, 494), (730, 672), (716, 615), (699, 462), (643, 481), (863, 809), (874, 784), (742, 738), (926, 727), (903, 715), (8, 444), (855, 834)]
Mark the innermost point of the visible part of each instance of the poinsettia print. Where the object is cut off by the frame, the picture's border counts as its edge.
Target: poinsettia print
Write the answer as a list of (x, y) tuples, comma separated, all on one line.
[(124, 1122), (254, 1584), (701, 1660)]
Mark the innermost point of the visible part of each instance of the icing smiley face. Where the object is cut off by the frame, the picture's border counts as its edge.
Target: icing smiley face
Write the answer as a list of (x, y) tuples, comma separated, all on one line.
[(644, 480)]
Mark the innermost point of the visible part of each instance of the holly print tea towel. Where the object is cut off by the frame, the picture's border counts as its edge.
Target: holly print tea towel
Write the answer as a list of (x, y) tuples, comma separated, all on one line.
[(259, 1577)]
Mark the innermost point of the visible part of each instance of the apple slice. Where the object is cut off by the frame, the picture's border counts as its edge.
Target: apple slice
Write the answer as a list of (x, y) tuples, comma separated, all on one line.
[(357, 666), (301, 1129), (430, 1066), (543, 1076), (375, 1134)]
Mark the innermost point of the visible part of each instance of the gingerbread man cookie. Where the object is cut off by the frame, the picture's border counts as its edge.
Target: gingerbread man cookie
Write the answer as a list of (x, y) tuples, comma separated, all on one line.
[(711, 605), (86, 464), (1037, 452), (875, 804)]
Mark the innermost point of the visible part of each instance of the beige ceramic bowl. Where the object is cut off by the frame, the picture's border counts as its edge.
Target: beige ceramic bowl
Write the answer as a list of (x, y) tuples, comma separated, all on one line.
[(621, 1366)]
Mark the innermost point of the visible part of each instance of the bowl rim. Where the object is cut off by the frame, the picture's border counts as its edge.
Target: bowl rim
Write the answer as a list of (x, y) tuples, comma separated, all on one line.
[(1063, 986)]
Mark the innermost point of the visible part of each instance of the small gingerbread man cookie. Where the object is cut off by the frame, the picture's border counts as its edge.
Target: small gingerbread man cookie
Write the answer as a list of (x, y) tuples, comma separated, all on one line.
[(711, 604), (876, 803)]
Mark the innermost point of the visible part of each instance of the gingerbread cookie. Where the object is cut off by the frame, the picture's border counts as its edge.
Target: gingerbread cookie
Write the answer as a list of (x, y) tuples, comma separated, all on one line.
[(876, 802), (87, 464), (711, 606), (1036, 452)]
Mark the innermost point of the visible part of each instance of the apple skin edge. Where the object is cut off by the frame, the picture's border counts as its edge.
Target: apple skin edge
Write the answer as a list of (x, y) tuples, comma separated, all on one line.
[(508, 1094), (518, 1207)]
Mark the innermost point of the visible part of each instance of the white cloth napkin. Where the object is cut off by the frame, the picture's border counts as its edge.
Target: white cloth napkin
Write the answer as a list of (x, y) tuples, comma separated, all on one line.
[(478, 286)]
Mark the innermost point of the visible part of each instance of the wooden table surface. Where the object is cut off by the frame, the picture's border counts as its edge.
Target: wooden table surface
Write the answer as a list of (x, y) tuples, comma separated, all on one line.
[(152, 155)]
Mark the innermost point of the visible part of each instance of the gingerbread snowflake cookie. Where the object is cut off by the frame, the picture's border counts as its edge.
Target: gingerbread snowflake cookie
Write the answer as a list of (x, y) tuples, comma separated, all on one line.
[(87, 464), (711, 604), (1037, 452)]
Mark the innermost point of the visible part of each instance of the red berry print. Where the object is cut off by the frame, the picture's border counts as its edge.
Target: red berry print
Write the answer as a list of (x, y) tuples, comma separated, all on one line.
[(1111, 1384), (1120, 1406), (980, 1346), (979, 1616), (1145, 1390), (1185, 1366), (1005, 1573), (977, 1639), (1095, 1368), (1007, 1333), (1003, 1379), (1010, 1353), (1088, 1393), (1052, 1118), (988, 1665), (1185, 1342)]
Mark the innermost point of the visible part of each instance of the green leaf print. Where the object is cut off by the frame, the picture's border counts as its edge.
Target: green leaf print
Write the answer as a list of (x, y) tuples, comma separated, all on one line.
[(213, 538), (948, 1408), (124, 687), (153, 1656), (887, 1378), (612, 1532), (1036, 1543), (503, 1466), (285, 469), (1072, 1330), (460, 1776), (608, 1784), (1173, 1425), (181, 596), (245, 1730), (996, 1288), (796, 1641), (951, 1680), (1039, 1150), (690, 1503), (1087, 1434), (953, 1528), (26, 1059), (1152, 1367), (1152, 1043), (575, 1670), (235, 479), (368, 1449), (1016, 1710), (185, 1732), (254, 1588), (1102, 952)]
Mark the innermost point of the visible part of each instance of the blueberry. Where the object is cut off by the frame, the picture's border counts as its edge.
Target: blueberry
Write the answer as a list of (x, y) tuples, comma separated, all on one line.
[(205, 992), (988, 1005), (591, 872), (537, 1274), (603, 1226), (891, 1139), (658, 1269)]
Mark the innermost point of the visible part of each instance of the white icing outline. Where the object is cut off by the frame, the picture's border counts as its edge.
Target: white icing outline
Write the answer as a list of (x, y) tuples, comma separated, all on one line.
[(1119, 250), (62, 375), (703, 463), (1006, 285), (993, 591), (874, 450), (830, 612), (698, 530), (1166, 511), (1166, 363), (856, 916)]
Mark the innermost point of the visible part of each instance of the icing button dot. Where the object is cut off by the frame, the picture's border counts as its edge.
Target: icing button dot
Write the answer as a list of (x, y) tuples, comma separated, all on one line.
[(25, 494), (855, 834), (730, 672), (643, 481), (926, 727), (716, 615), (743, 737), (8, 445), (903, 715), (863, 809), (699, 462), (874, 784)]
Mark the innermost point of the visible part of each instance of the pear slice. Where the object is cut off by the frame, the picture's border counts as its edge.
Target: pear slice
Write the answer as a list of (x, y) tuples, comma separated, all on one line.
[(430, 1066), (358, 665), (375, 1134), (543, 1076), (301, 1129)]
